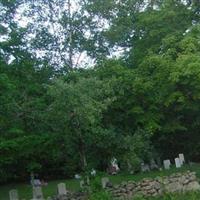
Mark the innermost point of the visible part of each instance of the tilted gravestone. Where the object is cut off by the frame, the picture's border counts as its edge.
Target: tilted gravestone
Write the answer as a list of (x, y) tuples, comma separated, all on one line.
[(37, 193), (105, 181), (62, 189), (177, 162), (167, 164), (13, 194), (82, 184)]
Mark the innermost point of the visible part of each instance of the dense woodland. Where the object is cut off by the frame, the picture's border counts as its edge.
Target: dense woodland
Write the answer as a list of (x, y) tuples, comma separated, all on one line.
[(82, 84)]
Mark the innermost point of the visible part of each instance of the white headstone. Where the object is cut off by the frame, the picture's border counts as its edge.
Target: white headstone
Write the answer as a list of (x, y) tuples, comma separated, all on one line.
[(177, 162), (167, 164), (62, 189), (37, 193), (13, 194), (182, 158), (77, 176), (93, 172), (104, 182)]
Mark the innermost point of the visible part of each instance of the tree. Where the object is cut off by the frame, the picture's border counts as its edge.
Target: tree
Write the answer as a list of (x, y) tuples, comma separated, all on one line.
[(77, 107)]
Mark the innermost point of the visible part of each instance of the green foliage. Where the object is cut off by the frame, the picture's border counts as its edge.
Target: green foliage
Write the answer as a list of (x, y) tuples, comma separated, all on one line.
[(142, 103), (138, 149), (102, 195)]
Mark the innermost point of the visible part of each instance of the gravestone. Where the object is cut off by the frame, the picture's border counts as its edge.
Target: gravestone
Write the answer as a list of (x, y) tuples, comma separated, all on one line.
[(62, 189), (166, 164), (153, 164), (82, 184), (37, 193), (145, 167), (77, 176), (13, 194), (177, 162), (158, 161), (104, 181), (93, 172), (182, 158), (36, 183)]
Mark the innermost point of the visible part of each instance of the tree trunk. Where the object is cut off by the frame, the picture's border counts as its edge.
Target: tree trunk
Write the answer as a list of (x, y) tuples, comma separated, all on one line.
[(70, 36)]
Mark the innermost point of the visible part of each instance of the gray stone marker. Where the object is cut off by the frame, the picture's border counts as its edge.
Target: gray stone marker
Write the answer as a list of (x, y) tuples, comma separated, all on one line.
[(153, 164), (145, 167), (166, 164), (13, 194), (177, 162), (104, 182), (182, 158), (82, 184), (62, 189), (37, 193)]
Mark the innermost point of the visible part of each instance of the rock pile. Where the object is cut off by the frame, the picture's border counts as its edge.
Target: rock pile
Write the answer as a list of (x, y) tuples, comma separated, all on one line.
[(179, 182), (71, 196)]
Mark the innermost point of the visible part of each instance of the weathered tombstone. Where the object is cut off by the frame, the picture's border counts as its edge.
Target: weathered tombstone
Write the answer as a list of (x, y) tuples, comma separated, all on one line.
[(37, 193), (177, 162), (182, 158), (81, 184), (167, 164), (13, 194), (49, 198), (158, 161), (145, 167), (104, 182), (153, 164), (62, 189)]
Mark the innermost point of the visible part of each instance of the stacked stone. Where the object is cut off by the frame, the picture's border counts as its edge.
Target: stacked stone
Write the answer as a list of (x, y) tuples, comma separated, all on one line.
[(124, 190), (179, 182), (146, 187), (71, 196), (149, 187)]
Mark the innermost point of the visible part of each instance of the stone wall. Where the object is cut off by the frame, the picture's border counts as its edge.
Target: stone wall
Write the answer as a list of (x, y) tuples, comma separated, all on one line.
[(179, 182)]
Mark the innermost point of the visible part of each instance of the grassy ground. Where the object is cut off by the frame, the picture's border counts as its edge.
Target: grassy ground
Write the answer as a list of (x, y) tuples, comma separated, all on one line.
[(25, 190)]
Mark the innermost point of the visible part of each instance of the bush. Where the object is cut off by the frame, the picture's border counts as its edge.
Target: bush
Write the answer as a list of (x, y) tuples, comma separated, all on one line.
[(101, 195)]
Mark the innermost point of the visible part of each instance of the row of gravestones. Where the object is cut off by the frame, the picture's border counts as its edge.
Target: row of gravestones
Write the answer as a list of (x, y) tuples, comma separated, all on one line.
[(38, 194), (179, 161)]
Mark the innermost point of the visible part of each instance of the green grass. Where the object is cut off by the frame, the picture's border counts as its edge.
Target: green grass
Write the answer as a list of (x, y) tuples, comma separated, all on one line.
[(126, 177), (25, 190)]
